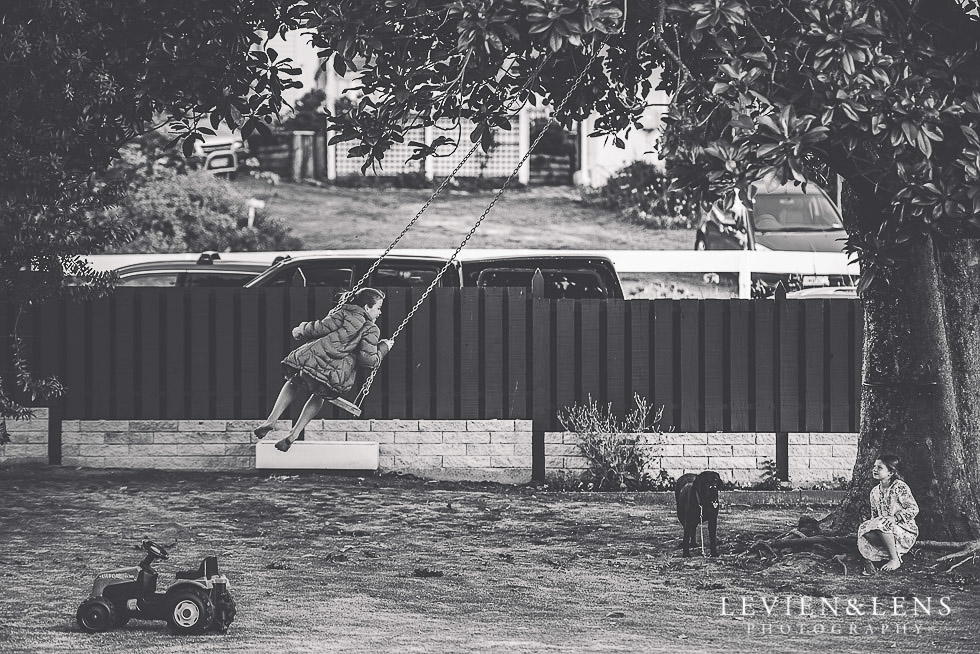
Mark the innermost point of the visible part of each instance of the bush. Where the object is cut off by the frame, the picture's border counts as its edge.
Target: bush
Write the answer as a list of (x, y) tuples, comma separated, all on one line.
[(197, 212), (620, 454), (639, 192), (768, 478)]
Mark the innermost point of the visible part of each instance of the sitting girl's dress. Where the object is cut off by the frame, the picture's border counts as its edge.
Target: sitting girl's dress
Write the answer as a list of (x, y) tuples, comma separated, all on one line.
[(326, 366), (892, 512)]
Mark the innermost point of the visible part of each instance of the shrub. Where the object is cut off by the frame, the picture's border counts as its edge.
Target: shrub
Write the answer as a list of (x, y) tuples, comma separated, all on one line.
[(768, 478), (640, 193), (620, 455), (196, 212)]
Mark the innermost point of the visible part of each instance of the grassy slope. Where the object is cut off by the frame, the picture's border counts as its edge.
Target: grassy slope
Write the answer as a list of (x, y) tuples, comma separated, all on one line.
[(544, 217), (320, 563)]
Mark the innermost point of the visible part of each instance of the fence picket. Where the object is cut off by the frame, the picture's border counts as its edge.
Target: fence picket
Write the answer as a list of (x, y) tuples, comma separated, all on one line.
[(518, 388), (493, 353), (788, 366), (567, 361), (615, 356), (713, 364), (590, 346), (815, 364), (691, 415), (419, 332), (764, 365), (739, 390), (664, 352), (640, 356), (447, 389), (469, 354)]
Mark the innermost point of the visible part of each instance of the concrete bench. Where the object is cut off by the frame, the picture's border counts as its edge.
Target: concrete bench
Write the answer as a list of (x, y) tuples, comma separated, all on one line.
[(318, 455)]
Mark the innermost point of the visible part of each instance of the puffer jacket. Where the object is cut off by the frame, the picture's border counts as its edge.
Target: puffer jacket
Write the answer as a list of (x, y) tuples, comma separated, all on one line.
[(343, 341)]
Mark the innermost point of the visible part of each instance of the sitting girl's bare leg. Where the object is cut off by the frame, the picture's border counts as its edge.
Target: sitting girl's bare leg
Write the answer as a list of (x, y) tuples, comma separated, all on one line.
[(874, 537), (310, 409), (894, 562), (286, 397)]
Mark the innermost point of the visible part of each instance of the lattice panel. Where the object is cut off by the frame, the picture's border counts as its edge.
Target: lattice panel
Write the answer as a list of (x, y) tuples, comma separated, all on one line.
[(393, 163), (500, 162)]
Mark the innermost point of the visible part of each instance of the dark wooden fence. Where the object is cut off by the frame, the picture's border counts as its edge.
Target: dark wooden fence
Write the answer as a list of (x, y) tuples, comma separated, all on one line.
[(715, 365)]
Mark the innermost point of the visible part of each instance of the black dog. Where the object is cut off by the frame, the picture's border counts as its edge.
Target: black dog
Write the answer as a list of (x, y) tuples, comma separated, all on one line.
[(697, 502)]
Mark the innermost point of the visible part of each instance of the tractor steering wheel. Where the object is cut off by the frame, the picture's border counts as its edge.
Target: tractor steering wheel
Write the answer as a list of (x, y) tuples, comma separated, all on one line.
[(154, 549)]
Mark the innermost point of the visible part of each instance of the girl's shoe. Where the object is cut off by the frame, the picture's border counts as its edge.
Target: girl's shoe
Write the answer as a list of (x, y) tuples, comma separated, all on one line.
[(262, 431), (869, 569), (284, 445)]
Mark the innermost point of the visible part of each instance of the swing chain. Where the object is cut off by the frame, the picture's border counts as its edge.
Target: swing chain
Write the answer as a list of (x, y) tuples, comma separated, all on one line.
[(365, 389), (445, 182)]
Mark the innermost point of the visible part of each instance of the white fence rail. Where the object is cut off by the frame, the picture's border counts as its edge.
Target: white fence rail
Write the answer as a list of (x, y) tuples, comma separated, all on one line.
[(741, 262)]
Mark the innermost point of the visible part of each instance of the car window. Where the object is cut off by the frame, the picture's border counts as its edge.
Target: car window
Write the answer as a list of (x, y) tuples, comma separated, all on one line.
[(812, 211), (313, 274), (572, 284), (150, 279), (396, 276), (225, 278)]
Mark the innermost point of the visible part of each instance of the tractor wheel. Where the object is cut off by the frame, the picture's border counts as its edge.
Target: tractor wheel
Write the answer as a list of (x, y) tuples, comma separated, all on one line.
[(224, 612), (96, 614), (190, 611)]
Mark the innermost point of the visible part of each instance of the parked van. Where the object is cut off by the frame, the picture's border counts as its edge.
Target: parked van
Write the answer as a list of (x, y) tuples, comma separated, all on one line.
[(784, 218)]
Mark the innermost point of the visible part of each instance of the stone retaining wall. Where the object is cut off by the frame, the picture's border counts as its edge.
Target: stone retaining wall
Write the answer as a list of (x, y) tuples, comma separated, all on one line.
[(813, 457), (481, 450), (477, 450), (28, 440)]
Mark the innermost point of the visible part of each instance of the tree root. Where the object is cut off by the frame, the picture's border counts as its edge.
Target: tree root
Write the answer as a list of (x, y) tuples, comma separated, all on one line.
[(836, 548), (966, 547), (968, 552)]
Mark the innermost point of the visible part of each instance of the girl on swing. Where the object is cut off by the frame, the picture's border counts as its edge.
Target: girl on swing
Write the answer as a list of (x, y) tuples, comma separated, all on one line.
[(325, 368)]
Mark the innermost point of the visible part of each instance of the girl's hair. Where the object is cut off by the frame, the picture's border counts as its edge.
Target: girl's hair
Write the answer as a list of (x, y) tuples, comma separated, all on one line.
[(892, 463), (367, 297)]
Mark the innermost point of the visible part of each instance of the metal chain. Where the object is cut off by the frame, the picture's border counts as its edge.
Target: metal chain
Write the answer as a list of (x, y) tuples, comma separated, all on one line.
[(374, 371), (374, 266)]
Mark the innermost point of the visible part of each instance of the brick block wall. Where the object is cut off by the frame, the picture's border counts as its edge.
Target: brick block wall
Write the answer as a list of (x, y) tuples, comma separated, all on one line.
[(28, 440), (477, 450), (737, 457), (472, 450)]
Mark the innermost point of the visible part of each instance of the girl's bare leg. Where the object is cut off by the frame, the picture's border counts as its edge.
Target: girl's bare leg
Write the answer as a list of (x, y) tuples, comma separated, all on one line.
[(874, 537), (310, 409), (894, 562), (286, 397)]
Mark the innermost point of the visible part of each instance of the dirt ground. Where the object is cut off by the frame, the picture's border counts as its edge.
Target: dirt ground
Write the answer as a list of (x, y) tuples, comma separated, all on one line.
[(329, 563)]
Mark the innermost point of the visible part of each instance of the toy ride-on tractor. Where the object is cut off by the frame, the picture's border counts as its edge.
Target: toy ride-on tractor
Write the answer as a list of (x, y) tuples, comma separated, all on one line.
[(196, 602)]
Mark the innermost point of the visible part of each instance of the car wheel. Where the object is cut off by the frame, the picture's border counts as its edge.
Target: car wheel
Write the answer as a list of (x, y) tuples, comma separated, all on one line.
[(96, 614), (224, 614), (191, 611)]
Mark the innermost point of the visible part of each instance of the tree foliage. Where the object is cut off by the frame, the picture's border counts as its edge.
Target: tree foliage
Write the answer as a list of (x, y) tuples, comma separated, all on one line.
[(884, 94), (80, 79)]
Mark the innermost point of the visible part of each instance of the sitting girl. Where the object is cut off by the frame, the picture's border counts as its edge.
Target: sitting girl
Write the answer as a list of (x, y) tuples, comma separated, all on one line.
[(891, 531), (325, 368)]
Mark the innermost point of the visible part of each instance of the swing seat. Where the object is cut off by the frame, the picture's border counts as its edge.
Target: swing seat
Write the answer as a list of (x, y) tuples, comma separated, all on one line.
[(346, 405), (319, 455)]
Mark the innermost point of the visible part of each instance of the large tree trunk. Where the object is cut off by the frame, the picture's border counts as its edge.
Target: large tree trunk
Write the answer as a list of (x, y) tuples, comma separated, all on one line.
[(921, 393)]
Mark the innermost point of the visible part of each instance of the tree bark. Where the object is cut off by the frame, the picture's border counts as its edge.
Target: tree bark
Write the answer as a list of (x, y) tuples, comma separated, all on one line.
[(921, 384)]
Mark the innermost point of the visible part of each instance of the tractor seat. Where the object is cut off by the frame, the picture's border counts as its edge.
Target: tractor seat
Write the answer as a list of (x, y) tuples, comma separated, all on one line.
[(208, 569)]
